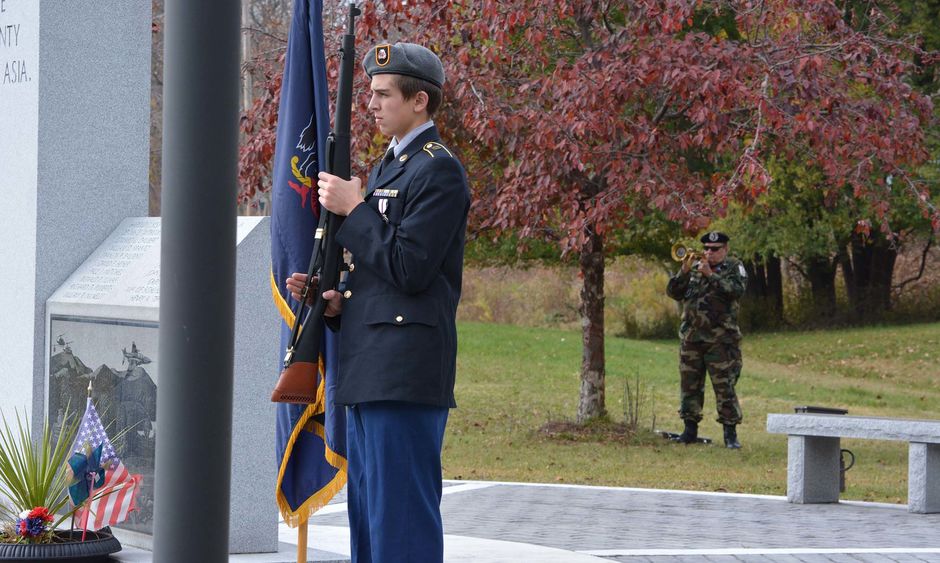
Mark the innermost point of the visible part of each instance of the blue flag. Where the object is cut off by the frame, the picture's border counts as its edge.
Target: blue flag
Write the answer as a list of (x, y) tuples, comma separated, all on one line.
[(311, 439)]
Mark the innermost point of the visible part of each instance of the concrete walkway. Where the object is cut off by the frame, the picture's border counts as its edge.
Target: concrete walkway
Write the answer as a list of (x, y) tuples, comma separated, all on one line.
[(489, 522)]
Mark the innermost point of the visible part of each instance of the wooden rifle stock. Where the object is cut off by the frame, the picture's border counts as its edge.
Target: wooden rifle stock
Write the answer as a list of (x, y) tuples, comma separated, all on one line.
[(298, 380)]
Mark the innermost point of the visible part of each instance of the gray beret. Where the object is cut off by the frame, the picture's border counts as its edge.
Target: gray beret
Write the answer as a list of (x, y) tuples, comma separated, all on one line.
[(404, 58)]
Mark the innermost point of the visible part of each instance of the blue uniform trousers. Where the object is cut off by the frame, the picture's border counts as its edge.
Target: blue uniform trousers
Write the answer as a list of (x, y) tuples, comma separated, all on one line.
[(394, 482)]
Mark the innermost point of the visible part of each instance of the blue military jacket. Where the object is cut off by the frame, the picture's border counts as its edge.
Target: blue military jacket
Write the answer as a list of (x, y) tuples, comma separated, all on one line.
[(398, 339)]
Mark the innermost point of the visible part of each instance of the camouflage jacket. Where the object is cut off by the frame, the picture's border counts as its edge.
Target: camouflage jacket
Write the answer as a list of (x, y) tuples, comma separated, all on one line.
[(710, 305)]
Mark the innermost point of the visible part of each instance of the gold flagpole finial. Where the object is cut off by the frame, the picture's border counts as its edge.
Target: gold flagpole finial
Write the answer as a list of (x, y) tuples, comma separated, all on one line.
[(89, 389)]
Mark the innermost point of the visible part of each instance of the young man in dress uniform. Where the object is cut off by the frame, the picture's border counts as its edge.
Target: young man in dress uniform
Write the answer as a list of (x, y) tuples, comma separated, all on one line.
[(396, 313), (709, 334)]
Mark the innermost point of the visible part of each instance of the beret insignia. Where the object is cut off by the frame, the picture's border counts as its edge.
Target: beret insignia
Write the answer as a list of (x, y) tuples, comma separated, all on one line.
[(383, 54)]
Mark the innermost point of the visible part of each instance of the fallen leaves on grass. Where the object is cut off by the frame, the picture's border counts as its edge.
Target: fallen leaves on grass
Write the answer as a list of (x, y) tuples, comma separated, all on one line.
[(566, 431)]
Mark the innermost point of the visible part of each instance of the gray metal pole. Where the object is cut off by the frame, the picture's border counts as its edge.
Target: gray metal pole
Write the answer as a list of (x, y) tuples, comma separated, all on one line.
[(197, 285)]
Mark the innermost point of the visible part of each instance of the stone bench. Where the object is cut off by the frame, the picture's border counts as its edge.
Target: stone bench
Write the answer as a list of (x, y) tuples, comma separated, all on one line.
[(813, 454)]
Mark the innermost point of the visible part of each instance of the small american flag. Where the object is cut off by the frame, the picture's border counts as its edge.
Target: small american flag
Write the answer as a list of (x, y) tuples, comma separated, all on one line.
[(113, 500)]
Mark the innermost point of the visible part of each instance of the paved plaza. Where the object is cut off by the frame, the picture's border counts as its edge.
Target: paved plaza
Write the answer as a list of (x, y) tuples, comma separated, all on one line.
[(490, 522)]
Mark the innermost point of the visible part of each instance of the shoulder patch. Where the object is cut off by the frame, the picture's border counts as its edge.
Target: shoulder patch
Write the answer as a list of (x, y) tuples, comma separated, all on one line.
[(434, 146), (741, 270)]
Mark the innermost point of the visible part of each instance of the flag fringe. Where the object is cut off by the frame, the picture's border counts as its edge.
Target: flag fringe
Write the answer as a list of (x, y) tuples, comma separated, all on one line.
[(318, 500), (282, 307), (294, 518)]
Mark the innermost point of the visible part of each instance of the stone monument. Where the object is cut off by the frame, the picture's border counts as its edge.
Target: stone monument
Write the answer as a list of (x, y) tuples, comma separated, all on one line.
[(74, 159), (74, 163)]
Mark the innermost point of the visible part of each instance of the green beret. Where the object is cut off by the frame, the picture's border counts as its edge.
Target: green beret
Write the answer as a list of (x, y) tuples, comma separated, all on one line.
[(404, 58), (714, 237)]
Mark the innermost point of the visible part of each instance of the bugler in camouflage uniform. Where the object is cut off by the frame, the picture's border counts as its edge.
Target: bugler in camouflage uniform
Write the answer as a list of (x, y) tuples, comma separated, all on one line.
[(710, 337)]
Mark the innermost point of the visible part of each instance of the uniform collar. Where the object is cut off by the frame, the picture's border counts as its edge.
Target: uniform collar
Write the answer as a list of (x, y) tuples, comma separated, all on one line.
[(396, 167), (721, 265), (399, 146)]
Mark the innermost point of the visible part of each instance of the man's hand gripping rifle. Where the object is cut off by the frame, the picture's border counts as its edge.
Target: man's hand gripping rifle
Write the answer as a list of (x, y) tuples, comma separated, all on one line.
[(298, 381)]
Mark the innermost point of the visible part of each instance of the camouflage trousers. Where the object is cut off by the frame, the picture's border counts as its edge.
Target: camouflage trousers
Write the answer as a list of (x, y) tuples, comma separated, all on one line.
[(723, 363)]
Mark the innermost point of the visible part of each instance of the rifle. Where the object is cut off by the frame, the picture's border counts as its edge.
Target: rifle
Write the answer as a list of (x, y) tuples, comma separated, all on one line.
[(298, 380)]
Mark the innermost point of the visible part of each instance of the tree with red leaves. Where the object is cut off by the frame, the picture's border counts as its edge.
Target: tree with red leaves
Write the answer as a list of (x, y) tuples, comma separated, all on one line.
[(576, 119)]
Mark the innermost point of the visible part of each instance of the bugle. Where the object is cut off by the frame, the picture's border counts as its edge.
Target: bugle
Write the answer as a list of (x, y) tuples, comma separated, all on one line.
[(680, 252)]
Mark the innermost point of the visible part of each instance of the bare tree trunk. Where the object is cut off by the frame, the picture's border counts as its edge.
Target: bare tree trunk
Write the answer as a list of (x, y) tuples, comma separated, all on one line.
[(821, 272), (591, 262), (844, 257), (764, 290), (775, 283), (873, 263), (247, 83), (756, 277), (154, 192), (245, 208)]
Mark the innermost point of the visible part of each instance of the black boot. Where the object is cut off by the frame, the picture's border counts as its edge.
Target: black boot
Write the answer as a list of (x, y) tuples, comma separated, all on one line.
[(690, 434), (731, 437)]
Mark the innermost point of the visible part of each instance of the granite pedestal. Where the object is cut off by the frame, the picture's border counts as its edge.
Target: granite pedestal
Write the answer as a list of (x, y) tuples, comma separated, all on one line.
[(102, 326)]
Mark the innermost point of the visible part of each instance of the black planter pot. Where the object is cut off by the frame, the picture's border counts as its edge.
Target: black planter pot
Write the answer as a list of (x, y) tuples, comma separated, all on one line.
[(68, 545)]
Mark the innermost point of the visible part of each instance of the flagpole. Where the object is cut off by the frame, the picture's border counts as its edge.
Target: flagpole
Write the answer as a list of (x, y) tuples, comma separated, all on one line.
[(91, 481), (302, 542), (198, 240), (91, 492)]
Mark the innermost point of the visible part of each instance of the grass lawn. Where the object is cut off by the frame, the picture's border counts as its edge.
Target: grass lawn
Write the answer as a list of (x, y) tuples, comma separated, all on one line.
[(512, 381)]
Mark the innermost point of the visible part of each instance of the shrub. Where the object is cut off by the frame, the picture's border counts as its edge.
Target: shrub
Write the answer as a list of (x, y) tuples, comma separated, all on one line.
[(34, 473)]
